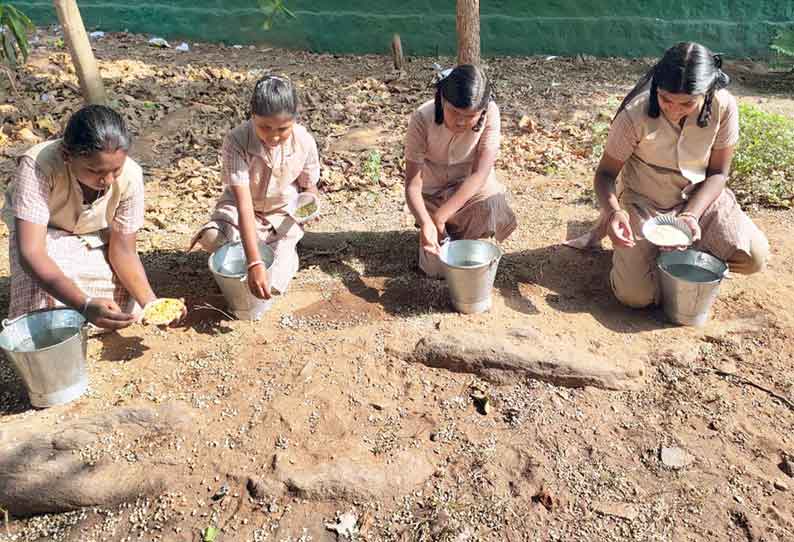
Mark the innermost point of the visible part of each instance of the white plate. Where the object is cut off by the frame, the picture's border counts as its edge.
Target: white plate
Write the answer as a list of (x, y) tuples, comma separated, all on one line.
[(667, 231), (301, 200)]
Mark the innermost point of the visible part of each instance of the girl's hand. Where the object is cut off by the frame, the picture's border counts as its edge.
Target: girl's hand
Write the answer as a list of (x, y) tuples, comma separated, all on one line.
[(619, 229), (257, 282), (694, 225), (428, 238), (105, 313), (440, 222)]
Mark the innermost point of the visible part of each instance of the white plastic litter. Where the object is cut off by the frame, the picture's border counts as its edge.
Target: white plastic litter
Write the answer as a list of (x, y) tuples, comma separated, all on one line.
[(184, 47), (96, 35), (345, 526), (237, 46), (159, 42)]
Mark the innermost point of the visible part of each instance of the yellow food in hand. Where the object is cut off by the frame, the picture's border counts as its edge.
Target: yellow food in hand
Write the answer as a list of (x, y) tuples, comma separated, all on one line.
[(306, 210), (163, 311)]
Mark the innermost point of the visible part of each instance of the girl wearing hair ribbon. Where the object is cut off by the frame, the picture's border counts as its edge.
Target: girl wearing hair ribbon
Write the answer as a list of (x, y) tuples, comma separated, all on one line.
[(450, 149), (669, 151)]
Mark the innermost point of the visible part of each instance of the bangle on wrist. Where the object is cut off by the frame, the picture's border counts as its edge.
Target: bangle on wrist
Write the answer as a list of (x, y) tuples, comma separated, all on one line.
[(690, 215), (255, 263)]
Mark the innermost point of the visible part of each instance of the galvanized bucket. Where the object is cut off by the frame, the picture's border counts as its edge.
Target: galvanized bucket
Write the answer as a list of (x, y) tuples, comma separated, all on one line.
[(470, 269), (229, 267), (690, 282), (48, 349)]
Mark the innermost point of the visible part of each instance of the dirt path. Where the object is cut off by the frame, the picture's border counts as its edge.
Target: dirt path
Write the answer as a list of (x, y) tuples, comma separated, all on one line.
[(312, 411)]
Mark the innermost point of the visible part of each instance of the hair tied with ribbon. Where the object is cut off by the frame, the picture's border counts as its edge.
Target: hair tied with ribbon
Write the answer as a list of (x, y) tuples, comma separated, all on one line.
[(440, 73)]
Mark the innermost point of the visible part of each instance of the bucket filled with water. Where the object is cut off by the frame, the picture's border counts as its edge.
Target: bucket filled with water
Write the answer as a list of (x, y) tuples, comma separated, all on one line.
[(230, 269), (48, 351), (470, 269), (690, 282)]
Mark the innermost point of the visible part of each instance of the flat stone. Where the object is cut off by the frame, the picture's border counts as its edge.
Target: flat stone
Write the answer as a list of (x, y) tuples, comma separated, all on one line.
[(780, 485), (358, 476), (675, 458), (507, 359), (43, 473), (617, 509)]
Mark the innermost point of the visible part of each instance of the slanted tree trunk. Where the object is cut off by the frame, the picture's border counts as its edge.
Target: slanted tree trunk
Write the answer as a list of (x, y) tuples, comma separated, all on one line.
[(468, 32), (80, 48)]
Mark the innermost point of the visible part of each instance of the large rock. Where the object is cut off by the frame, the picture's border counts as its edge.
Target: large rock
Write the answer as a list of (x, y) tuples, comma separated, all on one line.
[(358, 477), (42, 473), (526, 354)]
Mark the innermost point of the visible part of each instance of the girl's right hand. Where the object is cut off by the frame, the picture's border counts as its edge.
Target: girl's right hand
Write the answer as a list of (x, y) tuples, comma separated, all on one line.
[(619, 229), (257, 282), (428, 238), (105, 313)]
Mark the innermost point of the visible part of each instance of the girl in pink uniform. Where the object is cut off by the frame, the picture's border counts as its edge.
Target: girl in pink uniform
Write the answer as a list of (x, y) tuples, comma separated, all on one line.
[(267, 161), (450, 150), (670, 146)]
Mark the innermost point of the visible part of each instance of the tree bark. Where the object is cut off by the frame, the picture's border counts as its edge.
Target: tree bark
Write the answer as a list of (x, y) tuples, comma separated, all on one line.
[(80, 49), (468, 32), (397, 52)]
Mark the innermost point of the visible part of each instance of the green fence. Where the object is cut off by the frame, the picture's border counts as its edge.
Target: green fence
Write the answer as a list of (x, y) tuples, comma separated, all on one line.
[(509, 27)]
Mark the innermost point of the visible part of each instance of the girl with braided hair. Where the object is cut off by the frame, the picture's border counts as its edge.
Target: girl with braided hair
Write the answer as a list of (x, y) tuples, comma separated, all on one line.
[(669, 151), (450, 149), (267, 161)]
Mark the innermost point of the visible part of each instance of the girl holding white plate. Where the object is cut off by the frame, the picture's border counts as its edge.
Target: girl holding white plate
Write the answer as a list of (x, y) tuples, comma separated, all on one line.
[(670, 147)]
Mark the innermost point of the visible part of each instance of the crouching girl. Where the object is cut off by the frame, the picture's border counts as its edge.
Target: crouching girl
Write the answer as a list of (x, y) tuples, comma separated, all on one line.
[(450, 150), (267, 161), (73, 210)]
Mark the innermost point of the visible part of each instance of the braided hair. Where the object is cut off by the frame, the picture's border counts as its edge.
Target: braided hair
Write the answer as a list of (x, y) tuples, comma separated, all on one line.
[(465, 87), (274, 95), (686, 68)]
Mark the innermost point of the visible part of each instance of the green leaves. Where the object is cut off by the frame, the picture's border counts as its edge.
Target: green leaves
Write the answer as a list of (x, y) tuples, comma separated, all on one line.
[(15, 26), (272, 9), (763, 163), (210, 534), (784, 42)]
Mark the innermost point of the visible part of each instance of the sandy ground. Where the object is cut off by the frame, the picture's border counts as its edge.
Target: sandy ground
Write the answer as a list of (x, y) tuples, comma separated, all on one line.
[(320, 380)]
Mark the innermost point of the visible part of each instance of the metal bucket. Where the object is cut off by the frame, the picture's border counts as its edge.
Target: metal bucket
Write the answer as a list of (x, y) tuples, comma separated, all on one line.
[(48, 349), (690, 281), (470, 269), (229, 267)]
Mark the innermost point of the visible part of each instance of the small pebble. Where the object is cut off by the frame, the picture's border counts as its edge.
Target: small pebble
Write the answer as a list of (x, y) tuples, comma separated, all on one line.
[(780, 485)]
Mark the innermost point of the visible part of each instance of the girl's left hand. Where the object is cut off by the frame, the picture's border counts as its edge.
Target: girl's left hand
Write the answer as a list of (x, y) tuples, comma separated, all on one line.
[(694, 227)]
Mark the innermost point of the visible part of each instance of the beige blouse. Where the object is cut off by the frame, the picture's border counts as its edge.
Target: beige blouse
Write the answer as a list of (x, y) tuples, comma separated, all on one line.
[(45, 192), (662, 159), (447, 158), (274, 175)]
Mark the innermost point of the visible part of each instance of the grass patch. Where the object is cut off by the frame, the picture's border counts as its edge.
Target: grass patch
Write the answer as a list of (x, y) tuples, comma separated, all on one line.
[(763, 164)]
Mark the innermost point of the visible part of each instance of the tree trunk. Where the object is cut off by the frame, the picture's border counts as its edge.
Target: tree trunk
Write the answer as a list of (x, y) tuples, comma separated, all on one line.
[(469, 32), (80, 48), (397, 52)]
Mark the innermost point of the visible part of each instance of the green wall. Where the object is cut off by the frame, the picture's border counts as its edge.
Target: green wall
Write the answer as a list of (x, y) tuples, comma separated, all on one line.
[(509, 27)]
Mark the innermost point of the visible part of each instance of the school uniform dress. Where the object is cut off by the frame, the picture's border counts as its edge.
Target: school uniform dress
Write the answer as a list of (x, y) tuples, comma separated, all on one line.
[(274, 176), (663, 164), (447, 159), (45, 192)]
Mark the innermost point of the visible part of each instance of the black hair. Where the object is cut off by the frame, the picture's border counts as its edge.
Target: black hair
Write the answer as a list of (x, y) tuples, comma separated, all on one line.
[(685, 68), (465, 87), (95, 128), (274, 95)]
